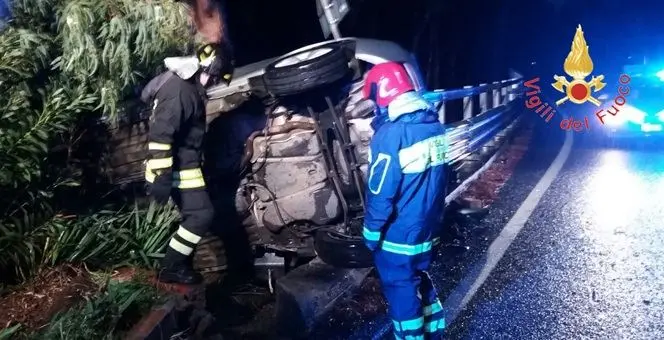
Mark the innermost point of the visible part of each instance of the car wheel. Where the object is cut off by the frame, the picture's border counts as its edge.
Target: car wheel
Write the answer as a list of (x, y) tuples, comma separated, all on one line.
[(300, 72), (341, 250)]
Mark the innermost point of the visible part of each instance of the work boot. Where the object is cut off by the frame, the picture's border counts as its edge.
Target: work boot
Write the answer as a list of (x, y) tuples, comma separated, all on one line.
[(177, 268), (181, 274)]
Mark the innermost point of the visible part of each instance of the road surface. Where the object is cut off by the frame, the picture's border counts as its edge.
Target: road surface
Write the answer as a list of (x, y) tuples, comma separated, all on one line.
[(589, 261)]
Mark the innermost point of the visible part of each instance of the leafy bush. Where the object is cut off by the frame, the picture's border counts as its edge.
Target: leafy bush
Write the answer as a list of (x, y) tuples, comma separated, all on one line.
[(106, 316), (61, 60), (112, 45)]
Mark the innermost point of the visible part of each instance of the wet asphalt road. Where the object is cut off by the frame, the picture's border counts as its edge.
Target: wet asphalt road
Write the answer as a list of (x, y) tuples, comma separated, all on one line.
[(588, 263)]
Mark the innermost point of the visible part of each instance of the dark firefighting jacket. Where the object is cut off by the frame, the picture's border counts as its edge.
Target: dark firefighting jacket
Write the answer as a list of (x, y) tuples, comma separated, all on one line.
[(176, 131)]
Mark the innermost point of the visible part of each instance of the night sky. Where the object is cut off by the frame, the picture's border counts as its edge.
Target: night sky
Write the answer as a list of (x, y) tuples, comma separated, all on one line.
[(462, 42)]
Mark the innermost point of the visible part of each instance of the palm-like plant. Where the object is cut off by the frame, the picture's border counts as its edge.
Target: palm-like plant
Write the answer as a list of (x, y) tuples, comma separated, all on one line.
[(130, 40), (61, 60), (110, 238)]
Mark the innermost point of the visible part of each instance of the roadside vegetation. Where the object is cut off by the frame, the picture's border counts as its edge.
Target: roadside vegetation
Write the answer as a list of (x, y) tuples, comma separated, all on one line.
[(66, 66)]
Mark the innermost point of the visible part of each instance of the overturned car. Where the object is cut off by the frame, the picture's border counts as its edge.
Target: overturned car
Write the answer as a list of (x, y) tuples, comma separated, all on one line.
[(287, 154), (300, 184)]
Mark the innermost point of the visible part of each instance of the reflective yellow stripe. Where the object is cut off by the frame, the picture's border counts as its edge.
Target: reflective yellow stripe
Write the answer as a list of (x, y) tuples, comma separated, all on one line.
[(185, 179), (420, 156), (188, 235), (180, 248), (160, 163), (189, 174), (149, 176), (156, 164), (159, 146), (189, 183), (189, 179)]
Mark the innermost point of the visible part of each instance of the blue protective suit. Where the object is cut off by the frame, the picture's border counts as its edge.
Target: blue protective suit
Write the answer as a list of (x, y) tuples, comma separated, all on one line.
[(405, 202)]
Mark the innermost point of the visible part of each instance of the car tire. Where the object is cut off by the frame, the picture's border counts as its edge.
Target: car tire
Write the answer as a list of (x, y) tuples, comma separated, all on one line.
[(313, 68), (342, 251)]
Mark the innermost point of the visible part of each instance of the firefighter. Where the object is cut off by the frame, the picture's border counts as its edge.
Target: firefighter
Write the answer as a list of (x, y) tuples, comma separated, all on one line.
[(173, 167), (405, 199)]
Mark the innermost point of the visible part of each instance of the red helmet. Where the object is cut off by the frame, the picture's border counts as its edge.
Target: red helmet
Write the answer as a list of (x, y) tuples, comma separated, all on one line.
[(385, 82)]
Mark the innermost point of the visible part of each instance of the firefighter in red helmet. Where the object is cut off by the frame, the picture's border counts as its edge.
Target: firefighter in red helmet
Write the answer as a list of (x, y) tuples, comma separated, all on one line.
[(405, 199)]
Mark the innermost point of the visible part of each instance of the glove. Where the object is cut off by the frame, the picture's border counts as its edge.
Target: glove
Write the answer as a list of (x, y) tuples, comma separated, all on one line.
[(160, 190)]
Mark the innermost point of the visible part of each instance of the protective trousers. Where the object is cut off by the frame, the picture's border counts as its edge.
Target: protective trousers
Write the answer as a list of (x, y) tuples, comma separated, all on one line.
[(197, 213), (416, 312)]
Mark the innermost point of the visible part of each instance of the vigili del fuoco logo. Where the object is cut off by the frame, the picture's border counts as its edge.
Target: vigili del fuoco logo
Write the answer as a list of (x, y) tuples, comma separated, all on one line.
[(577, 90)]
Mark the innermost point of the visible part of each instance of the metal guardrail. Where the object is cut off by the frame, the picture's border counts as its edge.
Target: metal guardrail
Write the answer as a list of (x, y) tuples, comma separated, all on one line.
[(474, 141), (469, 135)]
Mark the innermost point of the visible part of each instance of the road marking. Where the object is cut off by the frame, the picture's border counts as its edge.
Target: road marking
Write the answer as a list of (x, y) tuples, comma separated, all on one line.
[(466, 289)]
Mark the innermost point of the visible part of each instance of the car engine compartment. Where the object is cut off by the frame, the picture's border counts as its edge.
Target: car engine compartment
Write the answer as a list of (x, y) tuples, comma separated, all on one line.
[(290, 177)]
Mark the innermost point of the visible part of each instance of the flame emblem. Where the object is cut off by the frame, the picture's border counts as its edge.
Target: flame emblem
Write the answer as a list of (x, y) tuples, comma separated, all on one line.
[(578, 65)]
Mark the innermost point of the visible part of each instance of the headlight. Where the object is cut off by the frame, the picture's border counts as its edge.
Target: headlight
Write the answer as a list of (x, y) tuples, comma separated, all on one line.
[(616, 120), (626, 113), (632, 114), (660, 75), (660, 116)]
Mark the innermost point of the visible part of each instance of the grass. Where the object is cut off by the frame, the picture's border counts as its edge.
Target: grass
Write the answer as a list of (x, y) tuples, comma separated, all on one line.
[(107, 316), (113, 238), (107, 239), (134, 236), (9, 333)]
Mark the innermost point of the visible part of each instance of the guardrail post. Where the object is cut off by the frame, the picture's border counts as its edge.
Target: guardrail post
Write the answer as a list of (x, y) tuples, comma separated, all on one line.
[(496, 94), (467, 105), (483, 100), (503, 94), (441, 112), (513, 89)]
